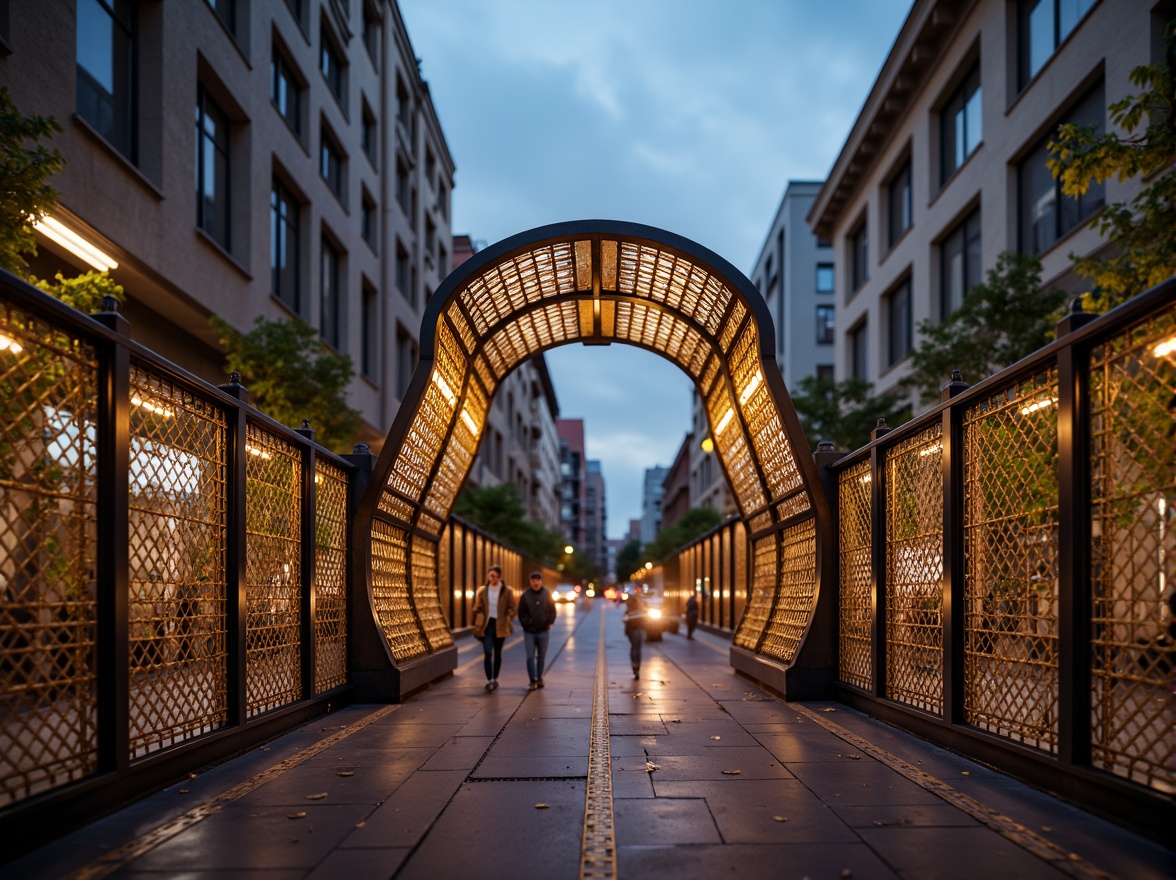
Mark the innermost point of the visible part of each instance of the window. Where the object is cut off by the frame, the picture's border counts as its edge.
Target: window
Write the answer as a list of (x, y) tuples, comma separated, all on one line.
[(859, 352), (212, 169), (1042, 26), (960, 127), (298, 7), (824, 325), (899, 205), (859, 257), (369, 351), (430, 164), (824, 277), (824, 243), (226, 11), (371, 34), (824, 372), (442, 260), (403, 280), (368, 220), (331, 162), (286, 90), (106, 73), (959, 264), (406, 358), (331, 63), (329, 297), (1045, 213), (284, 247), (442, 200), (402, 184), (898, 323), (430, 236), (367, 135), (402, 104)]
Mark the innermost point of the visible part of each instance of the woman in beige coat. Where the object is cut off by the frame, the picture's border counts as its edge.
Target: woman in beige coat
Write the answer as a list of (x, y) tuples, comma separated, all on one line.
[(494, 606)]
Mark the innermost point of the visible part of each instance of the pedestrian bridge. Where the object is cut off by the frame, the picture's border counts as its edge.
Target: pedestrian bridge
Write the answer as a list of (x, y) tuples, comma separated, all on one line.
[(185, 579)]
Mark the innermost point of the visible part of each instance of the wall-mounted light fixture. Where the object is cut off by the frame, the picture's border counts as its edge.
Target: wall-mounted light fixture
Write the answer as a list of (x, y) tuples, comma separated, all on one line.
[(54, 230)]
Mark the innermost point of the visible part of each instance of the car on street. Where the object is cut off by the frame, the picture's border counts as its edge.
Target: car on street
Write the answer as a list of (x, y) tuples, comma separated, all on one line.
[(564, 593)]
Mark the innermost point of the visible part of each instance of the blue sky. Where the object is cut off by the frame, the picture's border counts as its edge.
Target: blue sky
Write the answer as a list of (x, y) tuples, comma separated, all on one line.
[(689, 115)]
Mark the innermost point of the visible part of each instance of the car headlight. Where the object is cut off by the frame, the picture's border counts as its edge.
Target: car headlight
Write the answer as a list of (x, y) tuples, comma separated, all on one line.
[(655, 613), (555, 595)]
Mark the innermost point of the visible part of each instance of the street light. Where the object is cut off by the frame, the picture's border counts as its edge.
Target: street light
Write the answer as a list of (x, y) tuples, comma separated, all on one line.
[(569, 549)]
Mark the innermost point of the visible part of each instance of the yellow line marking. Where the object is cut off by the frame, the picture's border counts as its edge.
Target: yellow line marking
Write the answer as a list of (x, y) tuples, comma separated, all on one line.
[(598, 847), (1067, 862), (110, 862)]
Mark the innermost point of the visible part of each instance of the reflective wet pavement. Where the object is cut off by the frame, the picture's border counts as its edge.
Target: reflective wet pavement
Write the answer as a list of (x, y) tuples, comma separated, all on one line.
[(710, 776)]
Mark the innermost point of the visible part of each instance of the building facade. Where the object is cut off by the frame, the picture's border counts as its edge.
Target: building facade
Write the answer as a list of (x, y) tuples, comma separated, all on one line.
[(573, 473), (595, 515), (794, 274), (676, 486), (651, 501), (315, 182), (945, 167), (708, 483)]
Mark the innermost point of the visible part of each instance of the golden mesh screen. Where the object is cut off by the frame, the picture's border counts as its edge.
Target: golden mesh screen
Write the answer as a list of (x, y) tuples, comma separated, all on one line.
[(854, 607)]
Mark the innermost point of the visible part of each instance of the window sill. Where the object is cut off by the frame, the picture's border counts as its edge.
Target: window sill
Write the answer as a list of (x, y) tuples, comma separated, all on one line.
[(1070, 233), (286, 307), (118, 156), (370, 380), (293, 131), (220, 249), (894, 245), (943, 187)]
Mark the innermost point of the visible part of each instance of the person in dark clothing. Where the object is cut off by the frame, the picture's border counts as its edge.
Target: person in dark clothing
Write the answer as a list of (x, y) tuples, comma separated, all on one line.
[(691, 615), (635, 614), (536, 615)]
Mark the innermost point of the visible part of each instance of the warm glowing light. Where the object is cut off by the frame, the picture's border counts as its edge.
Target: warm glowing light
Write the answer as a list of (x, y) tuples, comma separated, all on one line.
[(931, 450), (708, 444), (55, 230), (866, 478), (751, 386), (655, 613), (1165, 348), (440, 382), (724, 421), (1038, 404), (648, 566), (258, 452), (569, 549), (469, 421), (591, 594), (11, 345), (152, 406)]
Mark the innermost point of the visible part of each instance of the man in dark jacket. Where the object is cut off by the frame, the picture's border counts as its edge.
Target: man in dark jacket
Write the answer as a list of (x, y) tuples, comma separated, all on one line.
[(536, 615)]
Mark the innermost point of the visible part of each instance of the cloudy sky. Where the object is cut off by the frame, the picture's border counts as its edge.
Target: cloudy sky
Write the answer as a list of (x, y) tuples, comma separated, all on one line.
[(689, 115)]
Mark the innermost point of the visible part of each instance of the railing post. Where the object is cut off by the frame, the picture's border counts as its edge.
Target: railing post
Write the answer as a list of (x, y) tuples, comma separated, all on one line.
[(953, 552), (878, 561), (308, 561), (235, 553), (113, 535), (1074, 594)]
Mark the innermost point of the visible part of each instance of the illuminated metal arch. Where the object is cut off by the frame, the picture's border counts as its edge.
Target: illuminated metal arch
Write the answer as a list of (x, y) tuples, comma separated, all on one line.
[(595, 282)]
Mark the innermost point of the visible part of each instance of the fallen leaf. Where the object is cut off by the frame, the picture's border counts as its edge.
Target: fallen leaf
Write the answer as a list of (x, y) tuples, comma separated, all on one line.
[(855, 757), (345, 773), (716, 737), (675, 721), (965, 773), (779, 818), (828, 709), (540, 806), (301, 814), (184, 790), (316, 797), (732, 772), (191, 775), (1046, 828), (847, 873), (360, 824), (650, 767)]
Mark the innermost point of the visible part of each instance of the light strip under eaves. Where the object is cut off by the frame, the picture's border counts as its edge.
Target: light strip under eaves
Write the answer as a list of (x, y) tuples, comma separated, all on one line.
[(55, 230)]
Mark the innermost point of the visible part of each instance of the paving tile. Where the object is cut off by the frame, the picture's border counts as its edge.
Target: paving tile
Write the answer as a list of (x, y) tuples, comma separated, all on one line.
[(624, 746), (402, 735), (217, 874), (360, 864), (746, 810), (403, 819), (751, 763), (759, 711), (917, 815), (663, 820), (492, 830), (862, 782), (631, 780), (460, 753), (376, 773), (531, 767), (729, 733), (635, 725), (960, 853), (812, 746), (752, 861)]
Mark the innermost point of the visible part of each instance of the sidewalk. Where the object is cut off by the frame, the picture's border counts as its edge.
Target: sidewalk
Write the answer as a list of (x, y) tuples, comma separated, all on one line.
[(710, 776)]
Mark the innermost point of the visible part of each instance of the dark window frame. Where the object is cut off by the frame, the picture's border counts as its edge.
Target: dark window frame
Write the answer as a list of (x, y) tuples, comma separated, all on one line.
[(826, 328), (112, 113), (899, 323), (369, 220), (370, 329), (285, 216), (206, 109), (900, 204), (961, 112), (859, 350), (332, 162), (962, 242), (859, 256), (332, 64), (330, 294), (826, 270), (1052, 30), (284, 71)]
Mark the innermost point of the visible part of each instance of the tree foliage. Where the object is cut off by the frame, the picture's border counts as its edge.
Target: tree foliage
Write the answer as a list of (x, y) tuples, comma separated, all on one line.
[(845, 412), (85, 292), (291, 375), (694, 522), (1003, 319), (499, 510), (25, 168), (1142, 231), (628, 558)]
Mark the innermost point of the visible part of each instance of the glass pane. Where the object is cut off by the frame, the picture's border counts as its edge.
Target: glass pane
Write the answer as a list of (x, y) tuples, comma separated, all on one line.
[(1041, 35), (96, 43), (973, 126)]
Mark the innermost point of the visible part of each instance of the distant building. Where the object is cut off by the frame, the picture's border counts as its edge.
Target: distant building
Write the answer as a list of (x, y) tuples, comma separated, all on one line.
[(634, 530), (612, 547), (945, 166), (794, 273), (573, 470), (595, 517), (676, 486), (651, 503), (708, 483)]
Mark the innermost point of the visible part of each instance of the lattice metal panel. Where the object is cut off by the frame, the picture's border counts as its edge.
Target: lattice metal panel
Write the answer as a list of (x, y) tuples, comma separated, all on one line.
[(740, 549), (763, 591), (421, 446), (530, 333), (855, 607), (914, 571), (731, 444), (459, 453), (797, 593), (177, 603), (1010, 552), (48, 457), (1133, 490), (425, 596), (273, 571), (390, 597), (330, 576), (663, 277), (663, 331), (546, 271)]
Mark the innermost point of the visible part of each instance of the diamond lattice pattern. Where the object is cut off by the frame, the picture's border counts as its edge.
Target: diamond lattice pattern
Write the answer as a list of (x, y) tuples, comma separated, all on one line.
[(856, 581), (330, 576)]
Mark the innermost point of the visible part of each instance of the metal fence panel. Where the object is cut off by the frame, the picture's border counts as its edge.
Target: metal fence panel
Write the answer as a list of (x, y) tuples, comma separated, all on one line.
[(330, 576), (855, 608)]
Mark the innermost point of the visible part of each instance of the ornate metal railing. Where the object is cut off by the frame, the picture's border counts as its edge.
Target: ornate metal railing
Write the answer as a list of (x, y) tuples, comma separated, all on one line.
[(1008, 562), (173, 567)]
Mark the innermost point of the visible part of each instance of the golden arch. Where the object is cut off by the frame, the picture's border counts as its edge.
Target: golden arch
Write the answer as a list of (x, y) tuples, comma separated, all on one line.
[(594, 282)]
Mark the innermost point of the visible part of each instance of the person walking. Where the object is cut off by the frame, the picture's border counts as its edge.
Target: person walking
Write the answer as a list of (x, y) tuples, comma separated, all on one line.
[(635, 614), (494, 606), (691, 615), (536, 615)]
